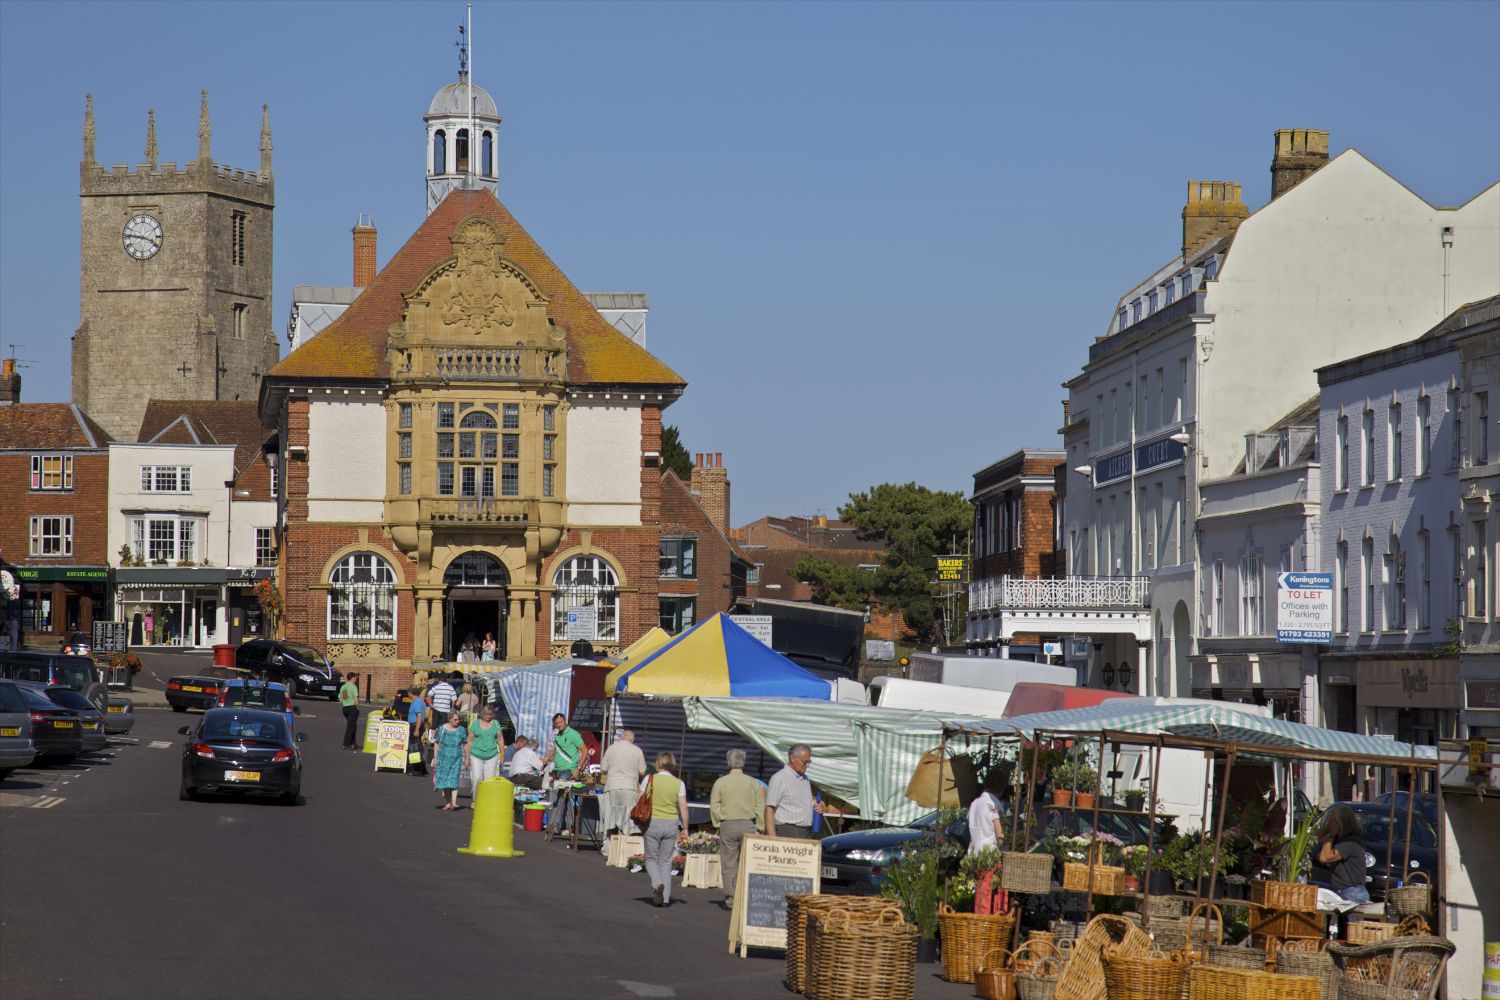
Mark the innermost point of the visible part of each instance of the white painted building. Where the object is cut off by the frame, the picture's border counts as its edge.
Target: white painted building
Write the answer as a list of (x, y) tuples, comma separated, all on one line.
[(1226, 337)]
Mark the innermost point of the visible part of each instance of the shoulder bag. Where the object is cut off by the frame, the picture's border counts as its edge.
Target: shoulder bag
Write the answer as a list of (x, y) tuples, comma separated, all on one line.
[(641, 811)]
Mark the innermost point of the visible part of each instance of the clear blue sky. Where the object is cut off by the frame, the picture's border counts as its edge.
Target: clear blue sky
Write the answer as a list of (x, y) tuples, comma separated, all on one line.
[(876, 237)]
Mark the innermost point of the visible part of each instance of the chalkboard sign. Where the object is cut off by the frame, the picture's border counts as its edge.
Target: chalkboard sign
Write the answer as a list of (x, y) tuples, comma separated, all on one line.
[(588, 715), (110, 637), (771, 868)]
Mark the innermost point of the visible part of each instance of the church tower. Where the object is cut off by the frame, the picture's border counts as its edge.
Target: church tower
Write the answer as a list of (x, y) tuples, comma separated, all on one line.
[(175, 289), (463, 138)]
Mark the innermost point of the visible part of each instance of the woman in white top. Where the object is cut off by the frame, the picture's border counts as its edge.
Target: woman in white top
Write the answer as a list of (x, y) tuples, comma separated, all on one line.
[(985, 825)]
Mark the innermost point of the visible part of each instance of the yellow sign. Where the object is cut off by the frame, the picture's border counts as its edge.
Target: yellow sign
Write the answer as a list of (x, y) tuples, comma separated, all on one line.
[(951, 569), (771, 869), (1477, 750), (391, 738)]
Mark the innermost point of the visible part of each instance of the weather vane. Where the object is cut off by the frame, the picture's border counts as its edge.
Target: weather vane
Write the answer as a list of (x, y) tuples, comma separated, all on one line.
[(463, 51)]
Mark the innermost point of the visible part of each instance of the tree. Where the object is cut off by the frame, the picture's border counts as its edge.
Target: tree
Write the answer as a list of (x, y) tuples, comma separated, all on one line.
[(674, 456), (916, 524), (835, 584)]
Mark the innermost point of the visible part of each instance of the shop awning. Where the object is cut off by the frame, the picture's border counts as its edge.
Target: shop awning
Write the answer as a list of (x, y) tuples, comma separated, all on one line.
[(170, 576)]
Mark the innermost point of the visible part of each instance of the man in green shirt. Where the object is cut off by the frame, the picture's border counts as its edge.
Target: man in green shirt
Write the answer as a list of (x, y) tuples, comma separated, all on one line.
[(566, 756), (737, 805), (348, 695)]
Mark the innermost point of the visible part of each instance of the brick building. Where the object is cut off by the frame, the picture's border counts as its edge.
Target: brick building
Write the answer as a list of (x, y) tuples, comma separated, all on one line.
[(702, 572), (469, 448), (1015, 532), (54, 496)]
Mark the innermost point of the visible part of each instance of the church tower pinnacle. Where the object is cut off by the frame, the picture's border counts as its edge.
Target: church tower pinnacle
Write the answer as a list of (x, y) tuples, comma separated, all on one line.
[(88, 129), (463, 134), (151, 150), (265, 140), (204, 132)]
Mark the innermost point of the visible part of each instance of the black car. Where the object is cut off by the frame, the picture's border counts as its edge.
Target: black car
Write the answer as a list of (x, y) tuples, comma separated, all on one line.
[(90, 719), (1384, 870), (56, 732), (242, 750), (200, 690), (76, 644), (302, 669), (62, 670), (1426, 804)]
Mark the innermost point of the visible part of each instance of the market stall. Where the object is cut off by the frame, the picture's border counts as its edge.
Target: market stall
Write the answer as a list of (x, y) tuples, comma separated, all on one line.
[(716, 657)]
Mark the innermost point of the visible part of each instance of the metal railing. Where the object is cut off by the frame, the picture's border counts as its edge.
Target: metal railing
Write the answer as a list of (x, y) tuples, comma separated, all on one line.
[(1060, 592)]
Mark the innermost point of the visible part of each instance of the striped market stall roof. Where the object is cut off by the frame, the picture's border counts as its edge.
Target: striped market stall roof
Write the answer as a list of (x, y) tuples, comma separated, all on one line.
[(534, 694)]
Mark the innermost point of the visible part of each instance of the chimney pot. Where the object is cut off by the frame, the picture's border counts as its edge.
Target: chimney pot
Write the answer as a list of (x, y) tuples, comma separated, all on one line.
[(1299, 152), (718, 460), (1214, 210)]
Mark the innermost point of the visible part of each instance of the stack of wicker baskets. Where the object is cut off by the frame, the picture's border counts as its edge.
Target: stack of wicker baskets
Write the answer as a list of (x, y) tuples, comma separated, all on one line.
[(855, 957), (1150, 976), (1240, 956), (1041, 982), (1083, 976), (1172, 933), (1308, 958), (1213, 982), (799, 910), (1026, 872), (968, 937)]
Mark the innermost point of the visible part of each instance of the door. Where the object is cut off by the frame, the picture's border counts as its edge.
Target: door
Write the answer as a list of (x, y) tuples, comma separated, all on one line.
[(205, 621)]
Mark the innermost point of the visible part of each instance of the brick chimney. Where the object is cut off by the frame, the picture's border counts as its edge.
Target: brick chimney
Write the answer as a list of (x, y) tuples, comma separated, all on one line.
[(364, 252), (1213, 210), (10, 382), (710, 484), (1299, 152)]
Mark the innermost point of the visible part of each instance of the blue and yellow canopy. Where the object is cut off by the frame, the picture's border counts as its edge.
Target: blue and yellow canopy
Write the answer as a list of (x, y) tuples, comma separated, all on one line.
[(716, 657)]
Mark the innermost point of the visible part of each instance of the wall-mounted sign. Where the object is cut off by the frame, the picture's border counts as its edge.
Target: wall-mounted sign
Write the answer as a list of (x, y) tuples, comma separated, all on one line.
[(1148, 456), (1304, 608), (581, 623), (757, 625)]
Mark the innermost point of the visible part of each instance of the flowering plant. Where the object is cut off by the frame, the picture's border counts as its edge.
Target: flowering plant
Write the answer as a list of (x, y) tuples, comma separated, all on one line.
[(1134, 859), (270, 603), (1112, 848), (701, 843), (637, 860), (678, 860), (118, 660), (1070, 848)]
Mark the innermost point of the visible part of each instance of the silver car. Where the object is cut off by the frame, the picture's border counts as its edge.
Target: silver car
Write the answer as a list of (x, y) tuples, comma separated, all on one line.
[(15, 730), (119, 716), (90, 719)]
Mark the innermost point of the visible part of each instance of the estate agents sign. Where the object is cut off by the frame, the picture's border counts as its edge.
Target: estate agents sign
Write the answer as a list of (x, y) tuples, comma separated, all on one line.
[(1304, 608)]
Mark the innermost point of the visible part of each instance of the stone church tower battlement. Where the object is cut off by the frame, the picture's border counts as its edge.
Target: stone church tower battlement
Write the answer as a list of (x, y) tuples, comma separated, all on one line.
[(175, 279)]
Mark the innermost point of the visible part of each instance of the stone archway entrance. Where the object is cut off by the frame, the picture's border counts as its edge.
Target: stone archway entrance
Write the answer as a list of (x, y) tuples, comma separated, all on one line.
[(474, 603)]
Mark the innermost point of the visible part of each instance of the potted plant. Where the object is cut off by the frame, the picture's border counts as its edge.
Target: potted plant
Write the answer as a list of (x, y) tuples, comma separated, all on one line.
[(637, 862), (1190, 859), (1135, 798), (1063, 776), (1133, 858), (915, 881), (1085, 785)]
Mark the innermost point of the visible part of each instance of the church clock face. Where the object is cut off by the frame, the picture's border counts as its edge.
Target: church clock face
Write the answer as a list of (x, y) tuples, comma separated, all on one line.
[(142, 237)]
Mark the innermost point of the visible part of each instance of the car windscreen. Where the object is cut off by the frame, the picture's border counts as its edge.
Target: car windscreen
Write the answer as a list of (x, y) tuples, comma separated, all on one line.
[(306, 654), (68, 698), (269, 729), (1377, 830), (74, 674), (11, 699), (256, 697)]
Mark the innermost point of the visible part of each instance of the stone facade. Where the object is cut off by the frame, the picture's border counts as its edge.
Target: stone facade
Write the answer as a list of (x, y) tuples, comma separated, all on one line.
[(187, 316)]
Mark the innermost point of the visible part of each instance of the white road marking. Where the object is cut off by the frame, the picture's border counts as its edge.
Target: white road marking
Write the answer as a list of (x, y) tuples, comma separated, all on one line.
[(159, 744), (47, 802), (647, 989)]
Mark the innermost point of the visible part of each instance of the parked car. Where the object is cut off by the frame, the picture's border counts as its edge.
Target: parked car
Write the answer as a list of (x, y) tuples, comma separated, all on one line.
[(16, 749), (241, 750), (90, 719), (1426, 804), (56, 669), (76, 644), (1382, 869), (238, 693), (119, 716), (302, 669), (202, 689), (55, 732)]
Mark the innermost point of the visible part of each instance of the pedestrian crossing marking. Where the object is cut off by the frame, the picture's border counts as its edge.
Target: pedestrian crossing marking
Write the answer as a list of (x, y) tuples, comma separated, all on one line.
[(47, 802)]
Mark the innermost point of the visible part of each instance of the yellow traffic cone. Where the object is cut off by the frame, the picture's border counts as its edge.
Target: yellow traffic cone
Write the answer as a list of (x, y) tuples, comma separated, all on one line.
[(493, 831)]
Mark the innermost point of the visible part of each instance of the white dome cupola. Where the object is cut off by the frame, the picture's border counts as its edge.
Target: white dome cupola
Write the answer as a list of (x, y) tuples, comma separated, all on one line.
[(463, 140)]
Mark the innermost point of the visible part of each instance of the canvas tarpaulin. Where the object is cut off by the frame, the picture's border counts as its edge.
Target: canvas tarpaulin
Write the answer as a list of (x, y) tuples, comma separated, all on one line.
[(534, 694)]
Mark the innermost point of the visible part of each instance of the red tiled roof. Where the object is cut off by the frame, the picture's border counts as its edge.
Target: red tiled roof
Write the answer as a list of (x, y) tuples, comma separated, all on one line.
[(206, 421), (353, 346), (49, 425)]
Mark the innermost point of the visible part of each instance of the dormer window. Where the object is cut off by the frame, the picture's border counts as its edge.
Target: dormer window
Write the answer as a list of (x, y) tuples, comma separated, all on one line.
[(1151, 303), (1187, 284), (1211, 269), (1123, 321), (1171, 292), (1135, 311)]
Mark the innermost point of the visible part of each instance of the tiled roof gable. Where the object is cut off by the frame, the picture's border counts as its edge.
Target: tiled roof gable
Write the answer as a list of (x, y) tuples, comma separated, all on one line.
[(34, 426), (354, 345)]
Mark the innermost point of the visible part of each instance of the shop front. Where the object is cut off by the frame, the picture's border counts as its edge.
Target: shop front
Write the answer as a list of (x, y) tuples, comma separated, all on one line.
[(244, 618), (1416, 701), (1481, 679), (55, 600), (172, 606), (1287, 682)]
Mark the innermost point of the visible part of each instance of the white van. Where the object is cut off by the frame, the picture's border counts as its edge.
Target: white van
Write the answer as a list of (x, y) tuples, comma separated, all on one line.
[(985, 671), (923, 696)]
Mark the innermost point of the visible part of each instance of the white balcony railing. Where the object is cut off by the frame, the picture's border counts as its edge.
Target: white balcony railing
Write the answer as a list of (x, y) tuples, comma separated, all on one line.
[(1125, 592)]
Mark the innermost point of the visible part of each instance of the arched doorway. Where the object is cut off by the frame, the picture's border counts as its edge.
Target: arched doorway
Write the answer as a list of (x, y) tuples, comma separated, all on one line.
[(1182, 648), (474, 605)]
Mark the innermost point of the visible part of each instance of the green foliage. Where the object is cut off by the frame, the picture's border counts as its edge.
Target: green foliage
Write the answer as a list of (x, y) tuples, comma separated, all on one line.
[(915, 881), (1453, 645), (915, 523), (1191, 857), (1075, 775), (674, 455), (835, 584), (1294, 857), (1134, 797)]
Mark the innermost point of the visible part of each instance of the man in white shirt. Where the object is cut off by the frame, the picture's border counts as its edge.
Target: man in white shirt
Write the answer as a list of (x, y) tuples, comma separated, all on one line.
[(789, 797), (525, 765), (624, 765), (440, 699)]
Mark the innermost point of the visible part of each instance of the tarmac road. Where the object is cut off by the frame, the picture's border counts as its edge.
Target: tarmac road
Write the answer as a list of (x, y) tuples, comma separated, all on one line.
[(118, 889)]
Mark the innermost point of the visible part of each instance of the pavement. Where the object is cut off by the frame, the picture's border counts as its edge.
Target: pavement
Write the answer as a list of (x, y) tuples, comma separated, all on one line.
[(115, 888)]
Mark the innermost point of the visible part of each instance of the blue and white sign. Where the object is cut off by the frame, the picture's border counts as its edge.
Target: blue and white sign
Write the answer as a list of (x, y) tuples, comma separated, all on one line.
[(1304, 608)]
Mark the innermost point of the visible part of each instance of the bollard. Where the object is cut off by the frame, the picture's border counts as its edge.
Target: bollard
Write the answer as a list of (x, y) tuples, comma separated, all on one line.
[(492, 833)]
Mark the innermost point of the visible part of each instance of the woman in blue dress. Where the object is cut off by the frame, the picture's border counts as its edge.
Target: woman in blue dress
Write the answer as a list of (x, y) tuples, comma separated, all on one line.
[(450, 754)]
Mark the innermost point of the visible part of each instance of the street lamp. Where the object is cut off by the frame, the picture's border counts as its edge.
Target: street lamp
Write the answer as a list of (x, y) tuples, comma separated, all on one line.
[(1107, 675), (1086, 471), (1126, 674)]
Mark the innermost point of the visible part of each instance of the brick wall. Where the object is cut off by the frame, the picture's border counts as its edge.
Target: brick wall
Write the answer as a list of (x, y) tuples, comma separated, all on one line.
[(682, 515), (711, 485), (87, 503)]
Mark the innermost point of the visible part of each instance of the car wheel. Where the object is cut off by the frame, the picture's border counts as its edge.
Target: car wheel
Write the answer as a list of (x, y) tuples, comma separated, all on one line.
[(179, 708), (187, 793), (291, 686), (291, 798)]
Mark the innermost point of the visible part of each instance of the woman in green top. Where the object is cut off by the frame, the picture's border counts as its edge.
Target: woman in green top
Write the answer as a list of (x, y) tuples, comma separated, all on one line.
[(485, 745), (669, 822)]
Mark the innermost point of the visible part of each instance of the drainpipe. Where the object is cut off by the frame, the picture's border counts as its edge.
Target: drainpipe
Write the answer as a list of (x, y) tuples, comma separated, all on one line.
[(1447, 250)]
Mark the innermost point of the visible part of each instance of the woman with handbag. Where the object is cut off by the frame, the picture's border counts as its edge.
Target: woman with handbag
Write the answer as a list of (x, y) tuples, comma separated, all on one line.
[(663, 807)]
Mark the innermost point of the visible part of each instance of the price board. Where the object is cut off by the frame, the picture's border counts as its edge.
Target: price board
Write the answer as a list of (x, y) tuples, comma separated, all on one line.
[(771, 869)]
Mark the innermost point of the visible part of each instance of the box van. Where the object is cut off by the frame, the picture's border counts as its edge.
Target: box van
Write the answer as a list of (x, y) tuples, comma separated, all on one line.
[(985, 671), (923, 696)]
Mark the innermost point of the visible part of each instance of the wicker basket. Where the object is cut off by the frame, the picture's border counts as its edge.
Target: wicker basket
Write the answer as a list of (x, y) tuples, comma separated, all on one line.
[(855, 959), (1021, 872), (1211, 925), (1236, 956), (1403, 968), (1083, 977), (1151, 976), (1211, 982), (1266, 922), (1303, 962), (800, 929), (1299, 896), (1370, 932), (968, 937), (1031, 953), (1041, 982), (995, 979), (1108, 880), (1412, 898), (1164, 906)]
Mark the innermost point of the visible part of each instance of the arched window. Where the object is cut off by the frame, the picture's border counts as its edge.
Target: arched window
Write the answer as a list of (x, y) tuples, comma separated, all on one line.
[(475, 569), (461, 151), (585, 587), (439, 152), (488, 151), (362, 598)]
